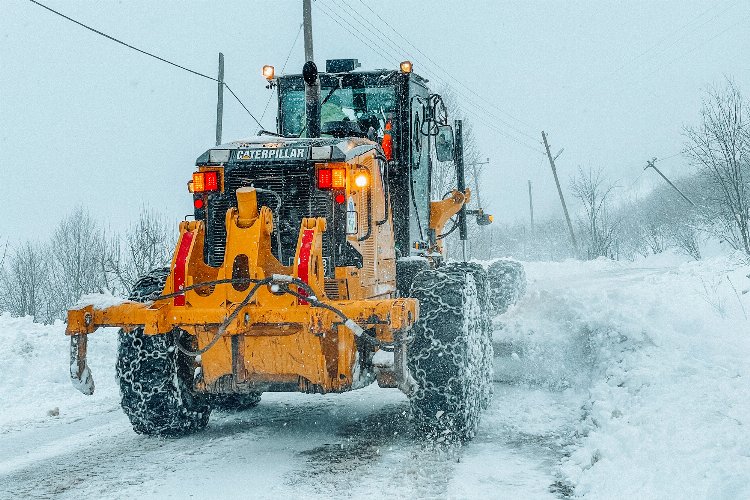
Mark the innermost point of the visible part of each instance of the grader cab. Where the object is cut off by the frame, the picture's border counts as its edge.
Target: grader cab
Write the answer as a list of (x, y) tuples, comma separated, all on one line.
[(314, 263)]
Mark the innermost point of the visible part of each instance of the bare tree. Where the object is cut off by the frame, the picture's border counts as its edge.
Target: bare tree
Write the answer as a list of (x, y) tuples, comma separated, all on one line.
[(594, 192), (24, 282), (76, 250), (147, 244), (720, 147)]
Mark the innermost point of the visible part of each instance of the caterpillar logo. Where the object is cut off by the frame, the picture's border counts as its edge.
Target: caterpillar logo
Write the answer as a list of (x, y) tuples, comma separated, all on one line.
[(272, 154)]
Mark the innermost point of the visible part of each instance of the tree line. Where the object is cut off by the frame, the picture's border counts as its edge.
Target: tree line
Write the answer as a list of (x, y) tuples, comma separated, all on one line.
[(43, 279), (710, 200)]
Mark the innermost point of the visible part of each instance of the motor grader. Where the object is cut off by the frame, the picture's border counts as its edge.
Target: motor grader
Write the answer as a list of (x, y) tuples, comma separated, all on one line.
[(313, 262)]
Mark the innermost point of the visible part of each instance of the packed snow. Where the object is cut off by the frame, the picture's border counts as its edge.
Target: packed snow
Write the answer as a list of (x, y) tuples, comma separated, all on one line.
[(612, 380)]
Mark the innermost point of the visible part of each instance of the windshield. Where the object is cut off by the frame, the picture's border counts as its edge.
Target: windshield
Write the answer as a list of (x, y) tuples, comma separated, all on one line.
[(370, 107)]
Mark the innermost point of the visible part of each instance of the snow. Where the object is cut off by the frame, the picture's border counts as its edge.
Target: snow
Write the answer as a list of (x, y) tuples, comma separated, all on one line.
[(99, 300), (662, 347), (35, 378), (612, 380)]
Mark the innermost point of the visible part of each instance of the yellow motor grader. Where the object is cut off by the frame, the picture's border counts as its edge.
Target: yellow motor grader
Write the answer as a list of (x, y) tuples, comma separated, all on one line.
[(314, 263)]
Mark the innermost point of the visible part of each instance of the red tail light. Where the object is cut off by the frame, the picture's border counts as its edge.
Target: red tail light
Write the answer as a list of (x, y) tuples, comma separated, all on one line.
[(325, 178), (331, 178), (211, 180), (205, 181)]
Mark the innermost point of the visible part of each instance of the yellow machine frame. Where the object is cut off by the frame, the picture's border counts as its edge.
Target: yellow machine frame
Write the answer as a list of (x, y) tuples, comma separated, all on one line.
[(274, 340)]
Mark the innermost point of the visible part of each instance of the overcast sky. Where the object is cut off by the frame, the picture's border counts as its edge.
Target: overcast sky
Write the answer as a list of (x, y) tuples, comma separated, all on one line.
[(84, 121)]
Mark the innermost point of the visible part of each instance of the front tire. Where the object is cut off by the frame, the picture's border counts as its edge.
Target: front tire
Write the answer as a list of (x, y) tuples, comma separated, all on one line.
[(447, 354), (155, 377)]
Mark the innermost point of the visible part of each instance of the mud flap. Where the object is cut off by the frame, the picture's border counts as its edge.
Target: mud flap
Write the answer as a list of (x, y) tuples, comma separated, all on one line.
[(80, 375)]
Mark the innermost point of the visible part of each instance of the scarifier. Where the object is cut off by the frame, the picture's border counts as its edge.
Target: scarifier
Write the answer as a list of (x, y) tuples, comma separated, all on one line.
[(314, 263)]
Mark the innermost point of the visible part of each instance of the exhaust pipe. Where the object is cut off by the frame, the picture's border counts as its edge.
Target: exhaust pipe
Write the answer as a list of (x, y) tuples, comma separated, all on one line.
[(312, 99)]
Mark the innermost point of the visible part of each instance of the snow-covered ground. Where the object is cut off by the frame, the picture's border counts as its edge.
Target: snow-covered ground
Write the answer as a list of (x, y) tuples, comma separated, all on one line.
[(613, 380)]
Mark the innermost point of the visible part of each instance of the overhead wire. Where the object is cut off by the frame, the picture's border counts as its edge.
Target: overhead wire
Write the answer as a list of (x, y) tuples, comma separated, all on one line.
[(480, 107), (150, 54), (358, 35), (291, 49), (703, 43), (659, 43), (449, 74), (665, 48)]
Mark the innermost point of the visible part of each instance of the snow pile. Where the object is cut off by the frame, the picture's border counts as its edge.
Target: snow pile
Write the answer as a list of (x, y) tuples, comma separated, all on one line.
[(663, 348), (34, 373), (99, 300)]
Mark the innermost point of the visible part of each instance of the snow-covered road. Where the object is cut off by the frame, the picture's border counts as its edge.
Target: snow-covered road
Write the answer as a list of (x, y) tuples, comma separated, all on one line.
[(294, 446), (596, 370)]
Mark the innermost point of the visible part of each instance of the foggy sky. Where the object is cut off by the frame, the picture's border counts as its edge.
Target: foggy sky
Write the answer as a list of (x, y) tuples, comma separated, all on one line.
[(84, 121)]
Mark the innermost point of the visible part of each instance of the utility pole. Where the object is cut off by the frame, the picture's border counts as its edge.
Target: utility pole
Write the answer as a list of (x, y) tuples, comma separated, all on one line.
[(220, 99), (559, 191), (531, 206), (310, 75), (307, 22), (476, 178), (651, 164)]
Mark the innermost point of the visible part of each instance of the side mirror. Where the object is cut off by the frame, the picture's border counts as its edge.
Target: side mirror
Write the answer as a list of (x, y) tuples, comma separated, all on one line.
[(444, 143)]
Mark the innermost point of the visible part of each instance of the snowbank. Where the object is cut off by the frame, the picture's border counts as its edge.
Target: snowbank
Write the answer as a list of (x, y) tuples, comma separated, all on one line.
[(663, 348), (34, 377)]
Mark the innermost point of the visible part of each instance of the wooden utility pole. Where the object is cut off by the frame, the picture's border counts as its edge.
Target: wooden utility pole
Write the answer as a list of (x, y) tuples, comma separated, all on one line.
[(562, 198), (307, 22), (651, 164), (531, 207), (476, 179), (220, 99), (310, 76)]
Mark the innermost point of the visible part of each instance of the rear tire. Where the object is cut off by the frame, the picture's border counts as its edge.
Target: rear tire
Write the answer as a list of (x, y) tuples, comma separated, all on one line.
[(447, 354), (507, 284), (155, 377)]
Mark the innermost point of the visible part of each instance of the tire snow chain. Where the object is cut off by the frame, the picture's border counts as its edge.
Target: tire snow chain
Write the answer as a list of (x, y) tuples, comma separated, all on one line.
[(451, 350), (282, 281), (126, 370)]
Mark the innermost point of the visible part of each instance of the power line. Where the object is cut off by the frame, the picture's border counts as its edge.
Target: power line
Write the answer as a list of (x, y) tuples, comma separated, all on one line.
[(291, 49), (368, 43), (702, 44), (666, 38), (376, 31), (481, 106), (474, 104), (100, 33), (671, 156), (664, 50), (450, 75), (121, 42)]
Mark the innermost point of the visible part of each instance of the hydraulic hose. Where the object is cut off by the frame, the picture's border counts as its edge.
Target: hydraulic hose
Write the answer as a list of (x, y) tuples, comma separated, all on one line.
[(283, 281)]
